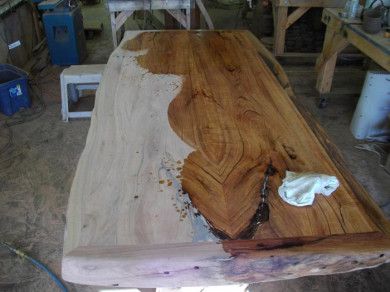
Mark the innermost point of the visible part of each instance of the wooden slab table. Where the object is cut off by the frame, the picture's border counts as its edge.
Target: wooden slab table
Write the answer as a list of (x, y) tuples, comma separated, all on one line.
[(166, 192), (341, 32)]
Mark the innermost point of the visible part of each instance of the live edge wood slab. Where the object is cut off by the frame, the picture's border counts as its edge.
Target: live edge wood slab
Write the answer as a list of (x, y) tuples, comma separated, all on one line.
[(184, 126)]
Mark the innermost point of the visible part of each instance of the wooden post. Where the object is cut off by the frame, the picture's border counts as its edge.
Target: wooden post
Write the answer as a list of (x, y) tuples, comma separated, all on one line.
[(188, 19), (113, 29), (334, 43), (280, 24)]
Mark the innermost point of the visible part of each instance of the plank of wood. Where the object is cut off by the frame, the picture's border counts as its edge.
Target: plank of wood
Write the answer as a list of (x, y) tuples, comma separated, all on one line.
[(377, 47), (184, 125), (280, 25), (334, 43), (121, 18), (203, 11)]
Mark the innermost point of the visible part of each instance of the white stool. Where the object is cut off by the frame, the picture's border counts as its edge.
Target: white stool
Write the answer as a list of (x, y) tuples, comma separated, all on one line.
[(74, 79)]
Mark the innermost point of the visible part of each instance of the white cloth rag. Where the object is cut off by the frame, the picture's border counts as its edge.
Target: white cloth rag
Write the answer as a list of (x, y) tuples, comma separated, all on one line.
[(299, 189)]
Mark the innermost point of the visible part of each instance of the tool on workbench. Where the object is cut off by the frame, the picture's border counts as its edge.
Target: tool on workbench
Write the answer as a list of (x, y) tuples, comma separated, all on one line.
[(64, 30), (375, 15)]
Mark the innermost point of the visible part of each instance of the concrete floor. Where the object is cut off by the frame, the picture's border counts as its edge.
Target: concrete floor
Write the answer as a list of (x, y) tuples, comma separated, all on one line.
[(37, 170)]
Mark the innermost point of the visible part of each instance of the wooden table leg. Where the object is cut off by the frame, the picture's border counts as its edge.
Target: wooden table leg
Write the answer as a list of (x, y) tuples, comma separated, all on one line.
[(118, 20), (334, 43), (280, 23), (113, 29)]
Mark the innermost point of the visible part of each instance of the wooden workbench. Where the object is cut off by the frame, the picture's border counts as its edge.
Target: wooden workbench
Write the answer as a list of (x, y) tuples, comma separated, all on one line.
[(185, 12), (340, 33), (184, 127), (283, 20)]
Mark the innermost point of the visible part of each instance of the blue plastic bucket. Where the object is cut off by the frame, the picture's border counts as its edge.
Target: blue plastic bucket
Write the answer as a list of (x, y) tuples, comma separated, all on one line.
[(13, 89)]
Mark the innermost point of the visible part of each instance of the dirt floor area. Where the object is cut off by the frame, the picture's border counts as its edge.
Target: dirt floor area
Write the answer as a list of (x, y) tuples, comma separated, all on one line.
[(39, 155)]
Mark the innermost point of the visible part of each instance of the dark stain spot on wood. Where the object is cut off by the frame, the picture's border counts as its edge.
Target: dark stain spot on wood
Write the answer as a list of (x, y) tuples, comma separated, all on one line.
[(261, 246), (136, 197), (166, 273), (161, 181), (355, 262), (85, 226), (196, 268), (381, 255), (115, 285), (290, 151)]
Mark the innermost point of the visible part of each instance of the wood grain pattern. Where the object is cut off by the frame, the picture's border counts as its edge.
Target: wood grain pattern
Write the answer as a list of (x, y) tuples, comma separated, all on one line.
[(231, 262), (205, 112), (233, 119)]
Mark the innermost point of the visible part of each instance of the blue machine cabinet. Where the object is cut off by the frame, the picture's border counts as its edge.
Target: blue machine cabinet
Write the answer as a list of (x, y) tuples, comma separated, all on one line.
[(64, 30)]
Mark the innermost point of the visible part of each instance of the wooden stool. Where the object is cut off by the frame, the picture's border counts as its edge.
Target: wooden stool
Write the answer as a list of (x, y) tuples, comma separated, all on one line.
[(74, 79)]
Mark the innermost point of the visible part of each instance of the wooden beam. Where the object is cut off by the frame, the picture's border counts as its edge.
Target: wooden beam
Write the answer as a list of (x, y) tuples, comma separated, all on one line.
[(205, 14), (334, 43), (121, 18), (359, 39), (113, 29), (295, 15), (280, 22)]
